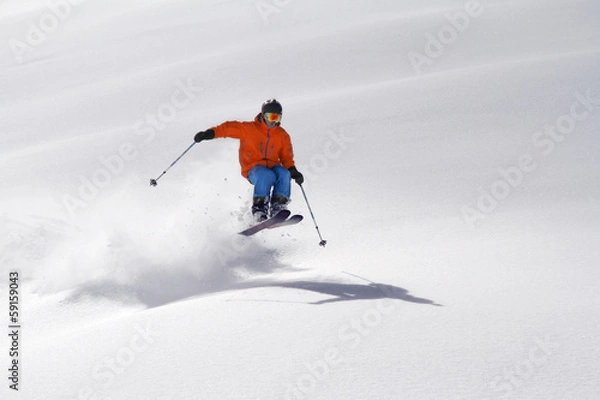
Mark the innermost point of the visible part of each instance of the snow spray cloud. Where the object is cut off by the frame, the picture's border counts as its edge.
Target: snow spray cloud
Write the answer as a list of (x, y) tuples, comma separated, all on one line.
[(545, 140), (56, 14), (266, 8), (124, 256), (113, 165), (107, 370), (448, 34), (515, 377)]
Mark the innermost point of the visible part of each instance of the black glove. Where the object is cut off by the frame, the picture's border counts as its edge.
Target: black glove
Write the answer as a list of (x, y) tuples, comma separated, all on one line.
[(204, 135), (296, 175)]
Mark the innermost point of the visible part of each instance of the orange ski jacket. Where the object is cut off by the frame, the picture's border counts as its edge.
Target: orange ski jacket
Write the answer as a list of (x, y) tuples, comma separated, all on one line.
[(259, 144)]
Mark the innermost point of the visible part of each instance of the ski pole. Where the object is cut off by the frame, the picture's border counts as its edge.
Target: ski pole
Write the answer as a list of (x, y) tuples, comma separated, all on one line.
[(322, 242), (154, 182)]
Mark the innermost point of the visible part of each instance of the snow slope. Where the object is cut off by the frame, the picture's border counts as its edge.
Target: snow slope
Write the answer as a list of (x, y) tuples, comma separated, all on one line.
[(450, 155)]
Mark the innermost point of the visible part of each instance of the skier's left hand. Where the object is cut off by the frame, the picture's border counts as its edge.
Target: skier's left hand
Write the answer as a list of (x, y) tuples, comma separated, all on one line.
[(296, 175)]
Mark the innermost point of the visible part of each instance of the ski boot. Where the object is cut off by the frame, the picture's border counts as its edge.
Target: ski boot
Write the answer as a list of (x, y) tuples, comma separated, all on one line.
[(260, 208), (278, 203)]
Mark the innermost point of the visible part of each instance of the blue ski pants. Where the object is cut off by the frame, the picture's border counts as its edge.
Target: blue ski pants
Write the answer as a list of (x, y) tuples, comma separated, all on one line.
[(264, 179)]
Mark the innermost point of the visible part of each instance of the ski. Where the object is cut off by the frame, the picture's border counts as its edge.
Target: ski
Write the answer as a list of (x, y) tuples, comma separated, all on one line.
[(281, 216), (293, 220)]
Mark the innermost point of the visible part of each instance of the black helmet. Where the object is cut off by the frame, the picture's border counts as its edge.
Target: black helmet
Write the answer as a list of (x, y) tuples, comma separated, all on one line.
[(271, 106)]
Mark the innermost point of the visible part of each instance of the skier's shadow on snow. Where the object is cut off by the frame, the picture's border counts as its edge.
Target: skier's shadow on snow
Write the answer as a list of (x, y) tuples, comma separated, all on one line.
[(154, 292), (350, 292)]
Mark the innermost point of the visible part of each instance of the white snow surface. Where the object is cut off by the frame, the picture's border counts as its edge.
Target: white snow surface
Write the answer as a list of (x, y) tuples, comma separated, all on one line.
[(450, 150)]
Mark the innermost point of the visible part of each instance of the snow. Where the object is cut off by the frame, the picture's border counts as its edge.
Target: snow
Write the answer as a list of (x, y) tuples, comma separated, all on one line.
[(450, 151)]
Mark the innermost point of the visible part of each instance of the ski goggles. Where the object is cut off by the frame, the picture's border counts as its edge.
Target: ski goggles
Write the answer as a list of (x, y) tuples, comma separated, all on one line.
[(272, 117)]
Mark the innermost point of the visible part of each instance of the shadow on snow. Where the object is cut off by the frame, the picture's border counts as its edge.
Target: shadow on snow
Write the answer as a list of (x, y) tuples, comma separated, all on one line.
[(348, 292), (160, 288)]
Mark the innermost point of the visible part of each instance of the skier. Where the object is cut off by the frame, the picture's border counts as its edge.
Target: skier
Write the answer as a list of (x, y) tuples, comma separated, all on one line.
[(266, 157)]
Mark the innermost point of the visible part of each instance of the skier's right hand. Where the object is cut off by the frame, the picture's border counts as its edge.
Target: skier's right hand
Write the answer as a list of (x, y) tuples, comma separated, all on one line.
[(204, 135)]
